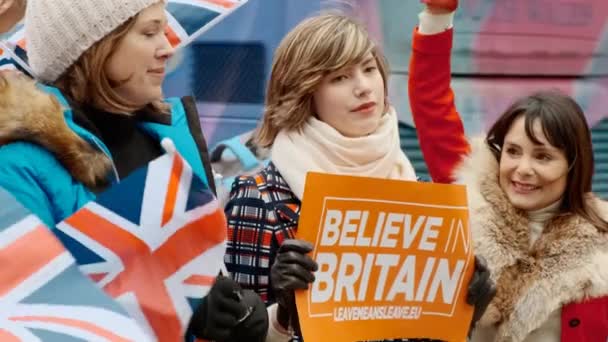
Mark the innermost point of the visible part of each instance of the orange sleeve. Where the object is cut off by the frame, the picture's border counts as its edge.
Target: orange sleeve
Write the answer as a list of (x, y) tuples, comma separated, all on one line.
[(438, 124)]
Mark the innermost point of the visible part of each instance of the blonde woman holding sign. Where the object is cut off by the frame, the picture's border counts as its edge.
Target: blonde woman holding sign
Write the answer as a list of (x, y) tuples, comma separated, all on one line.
[(326, 110), (11, 12), (534, 217)]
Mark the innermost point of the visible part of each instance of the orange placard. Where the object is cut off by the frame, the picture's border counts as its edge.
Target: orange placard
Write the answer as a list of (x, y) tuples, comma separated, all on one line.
[(395, 259)]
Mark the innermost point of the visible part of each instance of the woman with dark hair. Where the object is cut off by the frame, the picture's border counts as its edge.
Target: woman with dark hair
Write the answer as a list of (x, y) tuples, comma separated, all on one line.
[(533, 215)]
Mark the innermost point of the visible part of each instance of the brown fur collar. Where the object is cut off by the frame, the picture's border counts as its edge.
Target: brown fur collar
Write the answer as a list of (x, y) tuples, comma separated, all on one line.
[(29, 114), (568, 263)]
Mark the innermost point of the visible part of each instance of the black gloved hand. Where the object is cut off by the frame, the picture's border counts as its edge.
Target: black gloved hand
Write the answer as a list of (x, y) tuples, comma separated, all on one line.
[(292, 270), (255, 327), (481, 289), (229, 314)]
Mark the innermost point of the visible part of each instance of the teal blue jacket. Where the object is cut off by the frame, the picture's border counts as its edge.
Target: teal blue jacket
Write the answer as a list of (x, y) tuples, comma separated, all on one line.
[(36, 178)]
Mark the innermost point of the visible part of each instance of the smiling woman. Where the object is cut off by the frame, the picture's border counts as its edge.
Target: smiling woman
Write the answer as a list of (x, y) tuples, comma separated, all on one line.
[(123, 73), (533, 215), (539, 140), (137, 65), (111, 77)]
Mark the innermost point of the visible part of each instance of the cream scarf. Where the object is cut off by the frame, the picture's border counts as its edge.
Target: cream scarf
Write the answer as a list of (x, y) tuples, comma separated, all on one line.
[(321, 148)]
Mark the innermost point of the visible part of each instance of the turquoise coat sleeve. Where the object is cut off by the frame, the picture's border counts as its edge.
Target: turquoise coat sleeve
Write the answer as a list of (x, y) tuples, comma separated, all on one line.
[(33, 176)]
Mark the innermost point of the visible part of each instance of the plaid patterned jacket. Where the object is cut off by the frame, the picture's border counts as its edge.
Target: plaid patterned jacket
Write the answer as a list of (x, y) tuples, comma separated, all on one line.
[(262, 212)]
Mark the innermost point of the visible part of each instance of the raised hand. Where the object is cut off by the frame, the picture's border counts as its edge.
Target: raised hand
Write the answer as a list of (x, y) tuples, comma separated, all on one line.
[(440, 6)]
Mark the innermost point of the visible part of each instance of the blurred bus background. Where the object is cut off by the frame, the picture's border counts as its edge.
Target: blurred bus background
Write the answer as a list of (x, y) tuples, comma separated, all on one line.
[(503, 49)]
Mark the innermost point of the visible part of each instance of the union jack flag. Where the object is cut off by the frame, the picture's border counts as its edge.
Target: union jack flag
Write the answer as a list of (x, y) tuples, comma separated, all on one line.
[(155, 242), (12, 50), (43, 295), (188, 19)]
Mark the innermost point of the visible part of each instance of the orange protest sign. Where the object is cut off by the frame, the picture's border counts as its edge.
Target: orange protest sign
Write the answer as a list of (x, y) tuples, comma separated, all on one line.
[(395, 259)]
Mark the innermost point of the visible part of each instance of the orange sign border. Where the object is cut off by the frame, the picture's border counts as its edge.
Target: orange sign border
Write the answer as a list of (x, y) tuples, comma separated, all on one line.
[(321, 188)]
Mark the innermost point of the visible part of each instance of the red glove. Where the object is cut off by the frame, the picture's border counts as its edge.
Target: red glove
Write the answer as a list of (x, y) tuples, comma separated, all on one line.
[(448, 5)]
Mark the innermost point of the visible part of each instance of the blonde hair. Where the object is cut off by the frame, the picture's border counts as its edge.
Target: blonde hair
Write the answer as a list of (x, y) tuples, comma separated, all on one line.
[(87, 83), (315, 48)]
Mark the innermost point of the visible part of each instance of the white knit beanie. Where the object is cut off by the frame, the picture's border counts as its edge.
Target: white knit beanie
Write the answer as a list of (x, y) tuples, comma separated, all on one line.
[(58, 32)]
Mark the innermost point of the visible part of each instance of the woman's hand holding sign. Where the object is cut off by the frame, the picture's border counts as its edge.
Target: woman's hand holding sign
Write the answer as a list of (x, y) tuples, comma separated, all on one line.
[(481, 289), (292, 270), (229, 313)]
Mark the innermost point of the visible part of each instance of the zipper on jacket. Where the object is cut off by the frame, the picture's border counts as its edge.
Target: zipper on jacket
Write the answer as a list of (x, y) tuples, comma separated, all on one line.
[(116, 176)]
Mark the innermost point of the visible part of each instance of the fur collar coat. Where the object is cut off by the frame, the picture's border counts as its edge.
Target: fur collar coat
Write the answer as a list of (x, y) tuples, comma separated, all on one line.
[(568, 263)]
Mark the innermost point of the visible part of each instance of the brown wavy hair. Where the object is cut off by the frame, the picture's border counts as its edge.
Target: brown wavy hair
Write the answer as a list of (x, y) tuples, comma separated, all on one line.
[(315, 48)]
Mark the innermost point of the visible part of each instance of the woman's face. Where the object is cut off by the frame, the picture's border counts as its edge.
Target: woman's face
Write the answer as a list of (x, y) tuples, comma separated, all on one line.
[(351, 100), (533, 176), (138, 64)]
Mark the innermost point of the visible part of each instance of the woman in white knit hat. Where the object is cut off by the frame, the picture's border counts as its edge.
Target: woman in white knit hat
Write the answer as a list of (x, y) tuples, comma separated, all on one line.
[(105, 62)]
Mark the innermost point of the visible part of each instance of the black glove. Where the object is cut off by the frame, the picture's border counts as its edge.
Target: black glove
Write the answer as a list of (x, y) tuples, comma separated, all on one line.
[(481, 289), (230, 314), (292, 270), (255, 327)]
